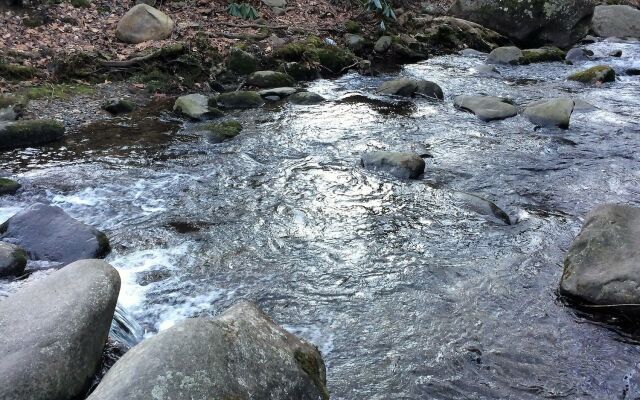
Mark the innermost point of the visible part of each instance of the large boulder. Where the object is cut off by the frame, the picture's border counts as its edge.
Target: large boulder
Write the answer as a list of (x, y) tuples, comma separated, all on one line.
[(241, 354), (603, 263), (196, 107), (514, 56), (52, 332), (532, 23), (410, 88), (25, 133), (142, 23), (597, 74), (487, 108), (270, 79), (550, 113), (400, 165), (12, 259), (616, 20), (48, 233)]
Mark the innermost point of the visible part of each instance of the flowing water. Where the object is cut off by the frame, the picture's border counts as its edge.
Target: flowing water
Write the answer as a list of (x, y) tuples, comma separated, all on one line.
[(408, 292)]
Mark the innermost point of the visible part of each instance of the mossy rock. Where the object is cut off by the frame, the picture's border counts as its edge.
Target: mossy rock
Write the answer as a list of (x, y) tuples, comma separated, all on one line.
[(242, 62), (270, 79), (597, 74), (118, 106), (80, 3), (352, 27), (543, 54), (76, 66), (312, 366), (220, 131), (27, 133), (314, 51), (8, 186), (55, 91), (300, 71), (237, 100), (17, 72)]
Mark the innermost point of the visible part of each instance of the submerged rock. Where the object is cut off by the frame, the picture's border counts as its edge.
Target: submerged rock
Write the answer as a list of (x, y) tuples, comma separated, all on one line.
[(306, 98), (118, 106), (142, 23), (410, 88), (483, 206), (400, 165), (270, 79), (504, 55), (48, 233), (616, 20), (240, 354), (8, 186), (487, 108), (559, 22), (25, 133), (12, 260), (52, 332), (196, 107), (550, 113), (603, 263), (221, 131), (233, 100), (597, 74)]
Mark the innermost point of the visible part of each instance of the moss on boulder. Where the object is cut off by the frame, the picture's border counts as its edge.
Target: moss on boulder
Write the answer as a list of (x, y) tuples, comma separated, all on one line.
[(242, 62), (543, 54), (16, 72), (597, 74), (29, 133), (220, 131), (233, 100), (270, 79), (8, 186), (314, 51)]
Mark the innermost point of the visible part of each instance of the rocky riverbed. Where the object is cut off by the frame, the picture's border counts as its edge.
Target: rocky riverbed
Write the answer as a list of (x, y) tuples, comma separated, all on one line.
[(416, 237)]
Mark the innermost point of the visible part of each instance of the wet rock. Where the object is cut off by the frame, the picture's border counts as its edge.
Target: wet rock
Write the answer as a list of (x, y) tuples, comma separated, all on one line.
[(237, 100), (299, 71), (400, 165), (240, 354), (8, 186), (404, 54), (633, 71), (48, 233), (578, 54), (25, 133), (483, 206), (486, 70), (588, 39), (382, 45), (52, 332), (616, 53), (550, 113), (451, 34), (142, 23), (487, 108), (149, 277), (382, 104), (472, 53), (221, 131), (242, 62), (118, 106), (354, 42), (279, 93), (306, 98), (603, 263), (410, 88), (12, 260), (504, 55), (597, 74), (196, 107), (270, 79), (543, 54), (559, 22), (616, 20)]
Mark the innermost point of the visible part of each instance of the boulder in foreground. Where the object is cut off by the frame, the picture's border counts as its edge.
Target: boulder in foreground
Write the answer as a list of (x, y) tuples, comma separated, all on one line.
[(550, 113), (240, 354), (25, 133), (48, 233), (603, 263), (616, 20), (52, 332), (400, 165), (142, 23)]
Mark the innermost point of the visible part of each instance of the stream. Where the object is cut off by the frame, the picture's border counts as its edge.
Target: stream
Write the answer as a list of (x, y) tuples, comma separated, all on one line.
[(407, 291)]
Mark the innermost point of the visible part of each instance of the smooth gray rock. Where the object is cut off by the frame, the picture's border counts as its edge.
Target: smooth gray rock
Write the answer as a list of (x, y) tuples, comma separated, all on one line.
[(52, 332), (486, 70), (270, 79), (410, 88), (400, 165), (382, 45), (281, 92), (487, 108), (26, 133), (483, 207), (505, 55), (578, 54), (603, 263), (616, 20), (306, 98), (196, 107), (238, 100), (143, 22), (241, 354), (550, 113), (48, 233), (557, 22), (12, 260)]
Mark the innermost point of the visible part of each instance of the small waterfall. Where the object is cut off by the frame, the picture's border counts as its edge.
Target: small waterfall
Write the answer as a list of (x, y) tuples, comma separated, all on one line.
[(125, 329)]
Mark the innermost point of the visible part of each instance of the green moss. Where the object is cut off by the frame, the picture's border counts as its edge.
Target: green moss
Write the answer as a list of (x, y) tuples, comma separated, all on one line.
[(352, 27), (76, 66), (599, 73), (29, 132), (544, 54), (55, 91), (20, 257), (243, 99), (8, 186), (334, 59), (242, 62), (17, 72), (228, 129), (311, 366)]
